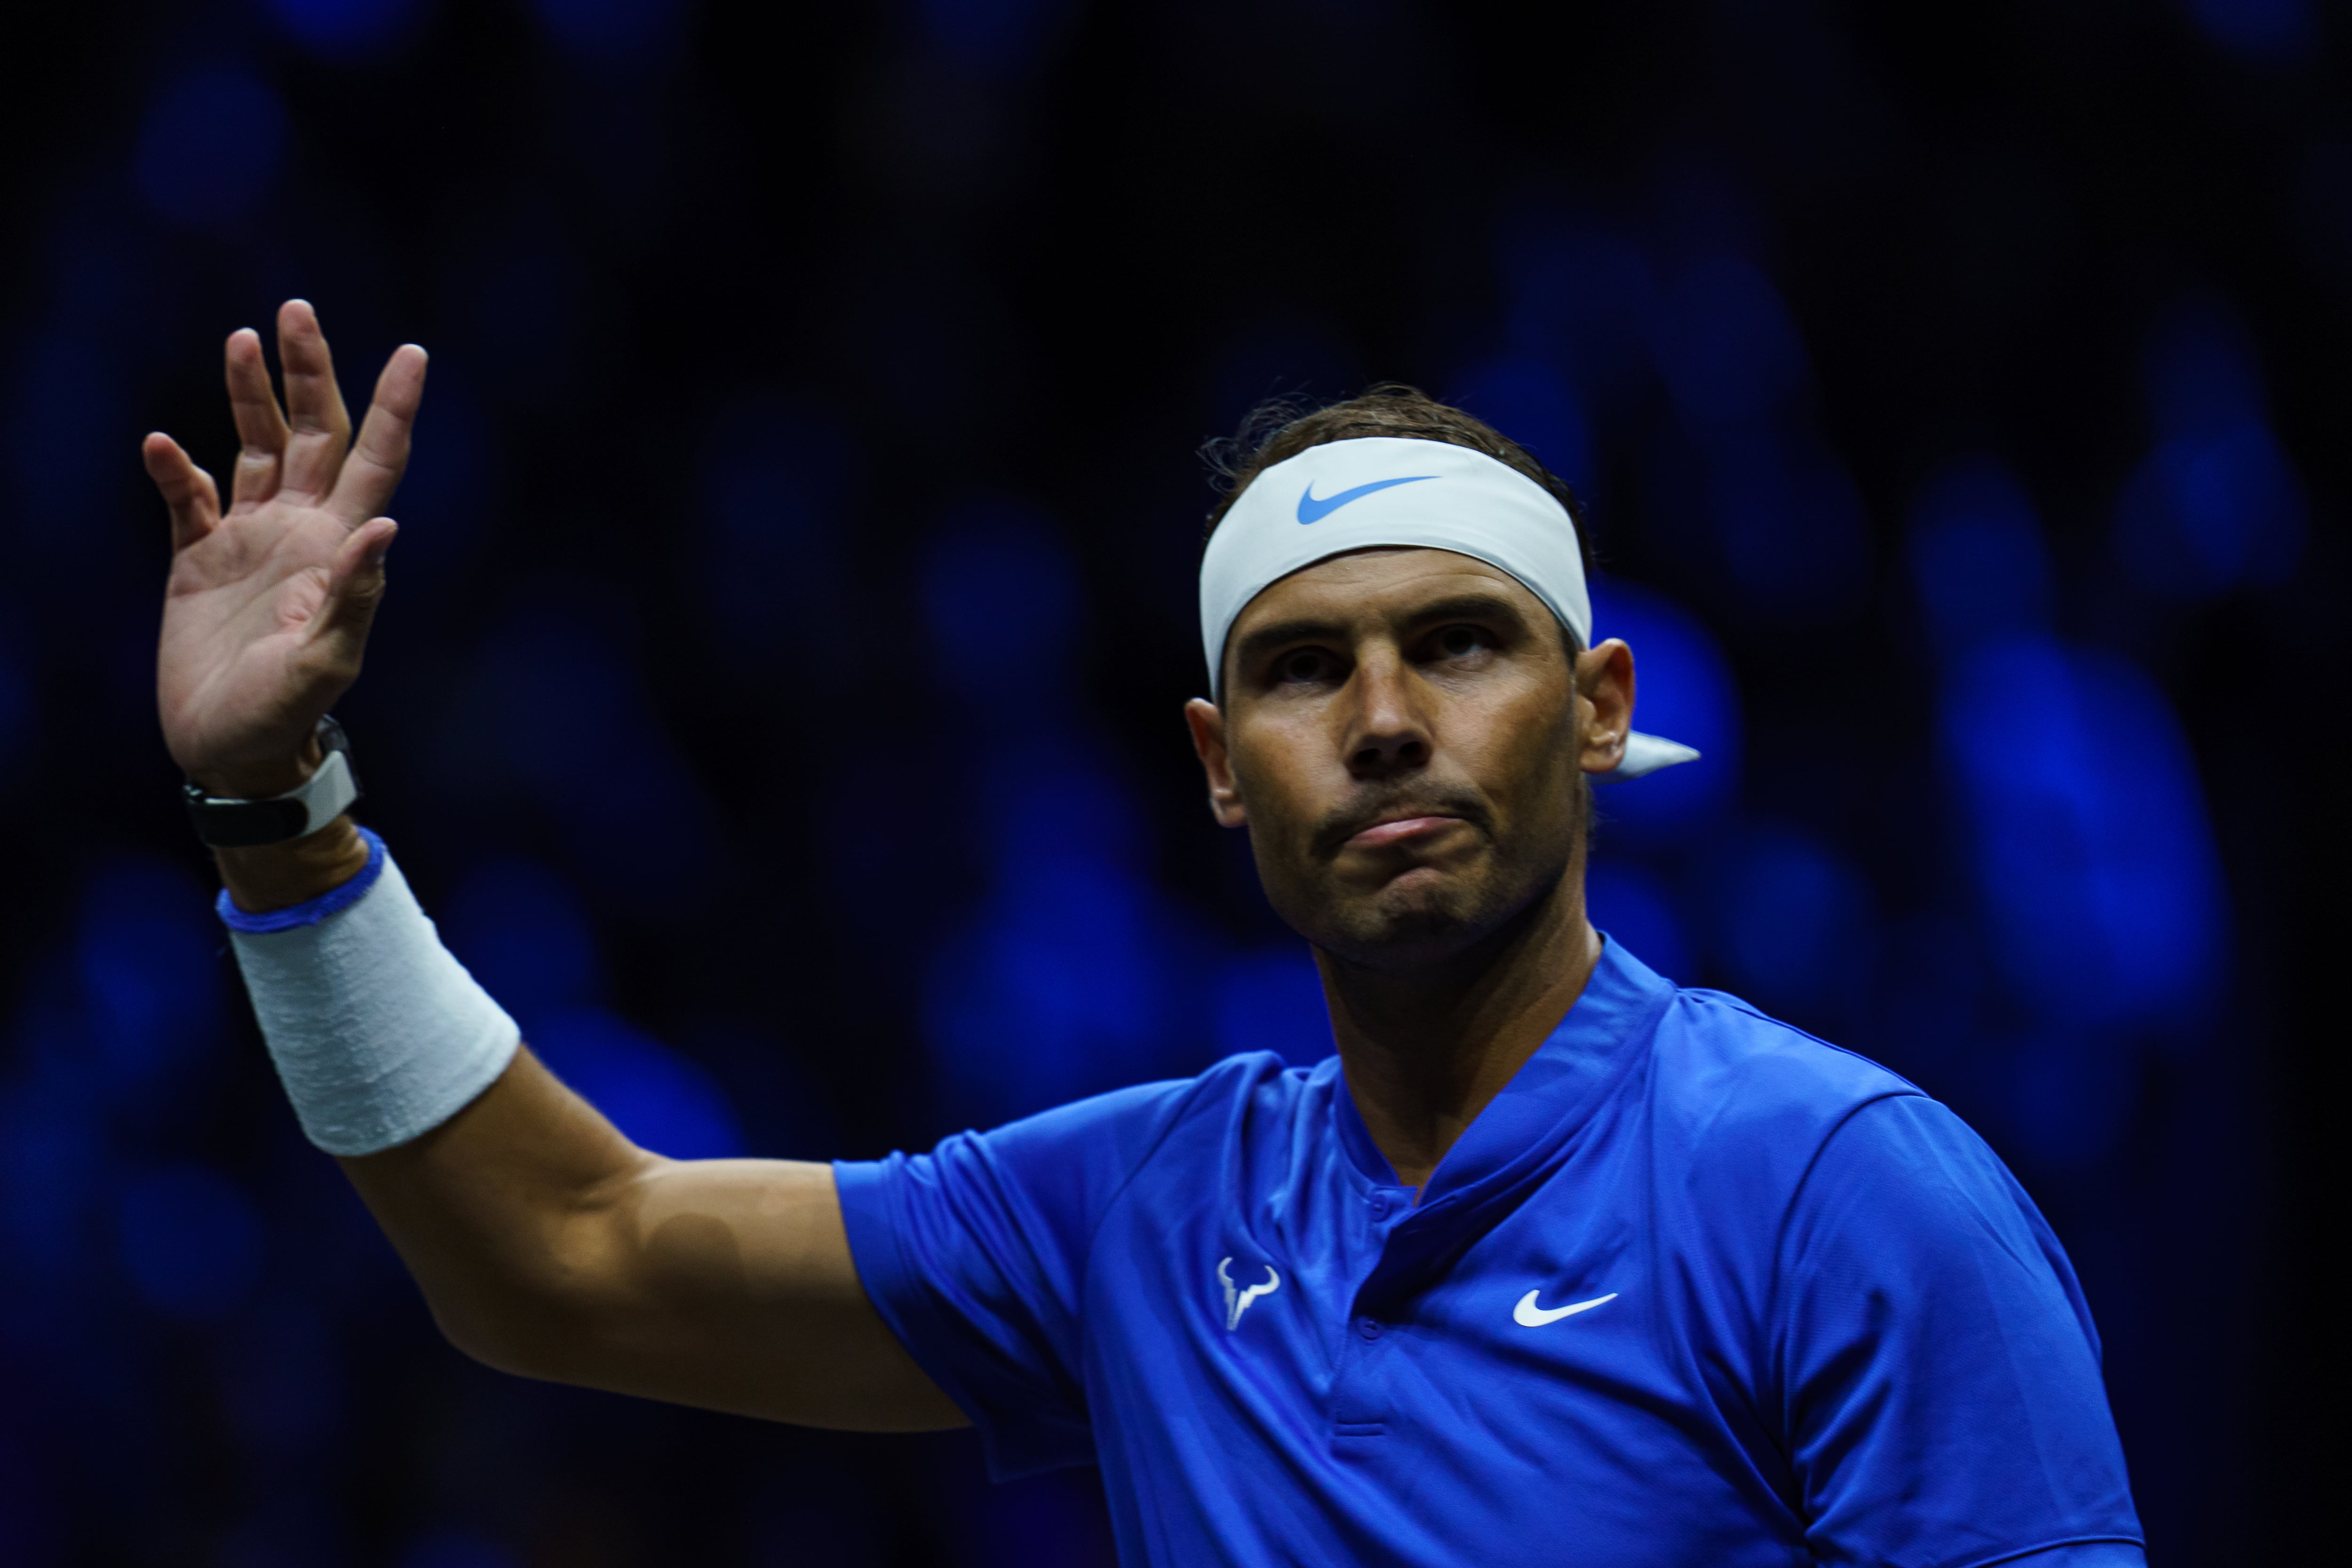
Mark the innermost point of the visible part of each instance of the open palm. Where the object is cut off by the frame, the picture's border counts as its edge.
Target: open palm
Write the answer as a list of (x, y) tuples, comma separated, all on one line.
[(267, 609)]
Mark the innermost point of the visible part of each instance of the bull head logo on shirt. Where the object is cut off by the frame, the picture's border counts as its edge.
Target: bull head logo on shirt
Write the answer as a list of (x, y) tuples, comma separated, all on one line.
[(1238, 1297)]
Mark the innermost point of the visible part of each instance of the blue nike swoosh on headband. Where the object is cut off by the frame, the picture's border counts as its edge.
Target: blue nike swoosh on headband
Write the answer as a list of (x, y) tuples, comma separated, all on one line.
[(1313, 511)]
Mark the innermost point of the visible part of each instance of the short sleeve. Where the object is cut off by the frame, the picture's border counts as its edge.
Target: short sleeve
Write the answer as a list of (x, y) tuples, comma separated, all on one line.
[(975, 1256), (1943, 1399)]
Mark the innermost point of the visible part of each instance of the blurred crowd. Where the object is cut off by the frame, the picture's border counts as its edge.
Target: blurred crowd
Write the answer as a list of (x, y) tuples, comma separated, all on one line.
[(777, 699)]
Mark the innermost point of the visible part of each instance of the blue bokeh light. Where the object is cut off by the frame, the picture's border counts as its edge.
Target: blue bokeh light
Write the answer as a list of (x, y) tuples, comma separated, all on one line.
[(1003, 600), (2068, 1096), (2217, 504), (1270, 999), (615, 32), (53, 1157), (1727, 346), (1683, 690), (2267, 32), (2090, 852), (449, 495), (192, 1241), (1977, 559), (1791, 919), (2209, 511), (1789, 525), (561, 707), (995, 36), (658, 1098), (1576, 294), (1636, 908), (1062, 987), (1070, 978), (521, 930), (66, 431), (349, 30), (211, 147), (146, 953), (1533, 404), (775, 484)]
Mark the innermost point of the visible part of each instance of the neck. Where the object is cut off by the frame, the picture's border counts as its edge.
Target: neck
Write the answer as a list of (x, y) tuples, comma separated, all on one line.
[(1425, 1049)]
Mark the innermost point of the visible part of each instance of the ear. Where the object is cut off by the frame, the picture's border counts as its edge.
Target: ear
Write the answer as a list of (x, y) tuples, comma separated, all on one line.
[(1208, 727), (1604, 696)]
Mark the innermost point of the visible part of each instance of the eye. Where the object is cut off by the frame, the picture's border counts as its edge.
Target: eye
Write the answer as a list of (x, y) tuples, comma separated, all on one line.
[(1462, 641), (1305, 664)]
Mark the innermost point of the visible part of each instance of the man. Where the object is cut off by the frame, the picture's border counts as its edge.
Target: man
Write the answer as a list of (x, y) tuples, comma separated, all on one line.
[(1552, 1263)]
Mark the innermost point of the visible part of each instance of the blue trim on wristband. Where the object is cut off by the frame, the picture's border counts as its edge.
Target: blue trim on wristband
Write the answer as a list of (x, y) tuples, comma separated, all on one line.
[(333, 901)]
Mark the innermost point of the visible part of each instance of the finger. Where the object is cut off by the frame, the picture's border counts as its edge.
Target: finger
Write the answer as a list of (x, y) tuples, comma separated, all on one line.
[(314, 403), (260, 428), (188, 491), (354, 588), (381, 454)]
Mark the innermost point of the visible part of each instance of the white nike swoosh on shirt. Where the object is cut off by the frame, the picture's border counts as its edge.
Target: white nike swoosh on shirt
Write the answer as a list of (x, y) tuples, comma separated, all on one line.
[(1528, 1315)]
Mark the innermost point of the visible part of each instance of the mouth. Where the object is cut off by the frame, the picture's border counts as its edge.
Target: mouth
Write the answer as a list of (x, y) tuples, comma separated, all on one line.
[(1399, 829)]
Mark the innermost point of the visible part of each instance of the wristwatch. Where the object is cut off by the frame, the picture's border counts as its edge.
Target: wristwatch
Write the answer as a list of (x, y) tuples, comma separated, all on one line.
[(243, 823)]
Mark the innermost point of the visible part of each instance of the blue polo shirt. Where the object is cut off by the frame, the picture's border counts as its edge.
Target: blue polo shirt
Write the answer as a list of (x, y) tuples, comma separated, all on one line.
[(1695, 1288)]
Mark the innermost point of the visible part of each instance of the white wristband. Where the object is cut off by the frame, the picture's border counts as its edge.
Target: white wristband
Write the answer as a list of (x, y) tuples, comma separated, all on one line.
[(379, 1034)]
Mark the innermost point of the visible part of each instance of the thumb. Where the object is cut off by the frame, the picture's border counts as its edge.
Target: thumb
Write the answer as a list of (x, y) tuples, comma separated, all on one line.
[(355, 584)]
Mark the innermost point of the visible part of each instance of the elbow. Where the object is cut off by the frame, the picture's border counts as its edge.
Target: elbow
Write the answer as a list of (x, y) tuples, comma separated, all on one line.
[(535, 1339)]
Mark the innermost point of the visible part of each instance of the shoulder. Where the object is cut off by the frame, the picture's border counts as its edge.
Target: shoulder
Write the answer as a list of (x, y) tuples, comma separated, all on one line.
[(1041, 1185), (1097, 1145), (1793, 1147), (1756, 1099)]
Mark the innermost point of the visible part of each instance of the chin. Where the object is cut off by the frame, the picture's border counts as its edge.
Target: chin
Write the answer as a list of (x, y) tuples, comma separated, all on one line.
[(1409, 926)]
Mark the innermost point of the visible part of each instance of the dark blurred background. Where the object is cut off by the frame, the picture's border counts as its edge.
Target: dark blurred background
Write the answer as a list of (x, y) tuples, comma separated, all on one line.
[(778, 697)]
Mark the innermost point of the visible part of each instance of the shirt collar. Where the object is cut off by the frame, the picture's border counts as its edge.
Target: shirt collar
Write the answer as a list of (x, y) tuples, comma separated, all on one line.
[(1528, 1129)]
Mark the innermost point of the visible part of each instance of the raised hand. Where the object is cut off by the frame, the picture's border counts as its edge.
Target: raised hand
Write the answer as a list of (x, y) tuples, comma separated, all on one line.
[(267, 609)]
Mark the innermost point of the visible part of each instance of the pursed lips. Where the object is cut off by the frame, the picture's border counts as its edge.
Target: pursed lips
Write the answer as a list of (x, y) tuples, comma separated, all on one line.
[(1397, 829)]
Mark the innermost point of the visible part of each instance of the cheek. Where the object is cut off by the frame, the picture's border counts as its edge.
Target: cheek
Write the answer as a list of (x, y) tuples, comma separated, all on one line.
[(1524, 753), (1277, 776)]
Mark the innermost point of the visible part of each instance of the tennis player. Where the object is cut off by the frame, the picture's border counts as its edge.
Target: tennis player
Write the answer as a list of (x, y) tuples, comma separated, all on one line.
[(1553, 1263)]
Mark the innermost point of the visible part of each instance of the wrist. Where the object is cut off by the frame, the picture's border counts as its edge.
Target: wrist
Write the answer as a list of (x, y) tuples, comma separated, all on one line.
[(262, 779), (276, 876)]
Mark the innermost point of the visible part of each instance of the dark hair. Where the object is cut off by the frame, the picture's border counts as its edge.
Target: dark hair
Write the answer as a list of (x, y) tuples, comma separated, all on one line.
[(1283, 427)]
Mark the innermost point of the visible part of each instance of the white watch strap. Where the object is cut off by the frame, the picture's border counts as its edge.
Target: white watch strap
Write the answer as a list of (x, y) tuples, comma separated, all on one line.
[(327, 794)]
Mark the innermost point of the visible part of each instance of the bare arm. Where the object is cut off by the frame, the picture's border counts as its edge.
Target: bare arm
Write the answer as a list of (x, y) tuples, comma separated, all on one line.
[(546, 1243), (550, 1246)]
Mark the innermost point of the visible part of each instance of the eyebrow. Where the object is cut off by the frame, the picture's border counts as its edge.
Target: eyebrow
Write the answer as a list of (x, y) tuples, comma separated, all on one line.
[(1469, 606), (1455, 606), (1264, 640)]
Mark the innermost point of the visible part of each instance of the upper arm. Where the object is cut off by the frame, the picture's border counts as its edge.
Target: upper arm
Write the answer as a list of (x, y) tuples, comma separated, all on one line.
[(1937, 1370), (549, 1245), (742, 1296)]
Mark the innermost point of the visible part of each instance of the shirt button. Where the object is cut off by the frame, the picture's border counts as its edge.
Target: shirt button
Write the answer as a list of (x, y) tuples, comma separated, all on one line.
[(1380, 1206), (1368, 1327)]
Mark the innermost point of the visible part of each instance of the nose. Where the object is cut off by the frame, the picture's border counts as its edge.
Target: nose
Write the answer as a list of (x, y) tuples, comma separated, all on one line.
[(1387, 734)]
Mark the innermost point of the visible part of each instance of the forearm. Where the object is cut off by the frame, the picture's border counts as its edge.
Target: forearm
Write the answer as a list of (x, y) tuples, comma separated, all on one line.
[(503, 1211), (510, 1215)]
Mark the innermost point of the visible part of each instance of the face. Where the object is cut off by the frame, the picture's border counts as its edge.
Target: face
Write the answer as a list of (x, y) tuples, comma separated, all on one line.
[(1404, 733)]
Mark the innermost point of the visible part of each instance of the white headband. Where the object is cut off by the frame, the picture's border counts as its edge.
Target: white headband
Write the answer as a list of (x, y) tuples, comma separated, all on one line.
[(1375, 490)]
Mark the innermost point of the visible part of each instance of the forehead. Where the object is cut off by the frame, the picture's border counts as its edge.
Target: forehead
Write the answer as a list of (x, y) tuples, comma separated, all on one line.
[(1381, 583)]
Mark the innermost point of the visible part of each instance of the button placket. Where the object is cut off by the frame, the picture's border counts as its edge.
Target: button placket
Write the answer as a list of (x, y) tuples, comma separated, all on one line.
[(1359, 1396)]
